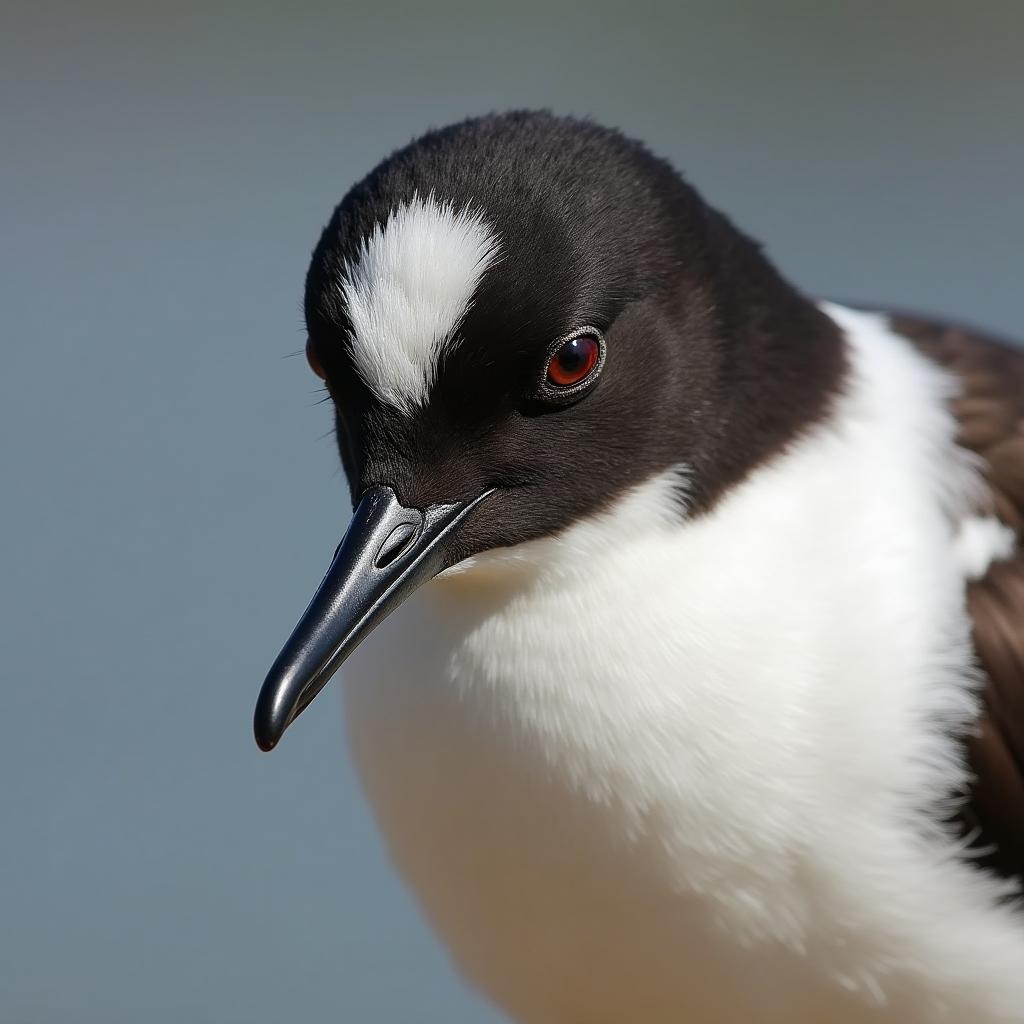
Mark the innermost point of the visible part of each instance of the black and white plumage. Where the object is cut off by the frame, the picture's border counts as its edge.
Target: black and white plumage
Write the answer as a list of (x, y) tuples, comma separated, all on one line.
[(670, 714)]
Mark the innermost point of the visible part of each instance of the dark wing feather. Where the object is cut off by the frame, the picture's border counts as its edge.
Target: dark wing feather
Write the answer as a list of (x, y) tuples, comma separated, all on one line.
[(990, 415)]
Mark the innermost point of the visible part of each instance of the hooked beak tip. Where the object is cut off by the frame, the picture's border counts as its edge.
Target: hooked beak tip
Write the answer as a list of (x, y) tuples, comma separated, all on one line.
[(267, 727), (266, 741)]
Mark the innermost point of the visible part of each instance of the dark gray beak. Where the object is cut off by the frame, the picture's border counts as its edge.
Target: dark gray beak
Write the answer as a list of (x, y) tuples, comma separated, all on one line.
[(387, 552)]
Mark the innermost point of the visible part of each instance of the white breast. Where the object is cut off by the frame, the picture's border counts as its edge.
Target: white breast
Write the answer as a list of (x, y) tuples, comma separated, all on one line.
[(661, 772)]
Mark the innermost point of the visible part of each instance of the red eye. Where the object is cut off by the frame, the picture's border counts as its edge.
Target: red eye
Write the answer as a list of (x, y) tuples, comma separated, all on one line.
[(573, 362), (313, 360)]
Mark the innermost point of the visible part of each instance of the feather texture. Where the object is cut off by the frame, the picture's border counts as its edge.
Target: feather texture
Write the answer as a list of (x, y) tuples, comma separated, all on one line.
[(989, 411), (408, 291)]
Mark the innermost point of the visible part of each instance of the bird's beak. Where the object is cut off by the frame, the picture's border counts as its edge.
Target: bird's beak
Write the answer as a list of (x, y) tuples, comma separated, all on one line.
[(387, 552)]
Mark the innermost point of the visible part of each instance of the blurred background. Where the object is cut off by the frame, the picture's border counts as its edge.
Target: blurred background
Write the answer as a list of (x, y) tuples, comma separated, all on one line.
[(170, 486)]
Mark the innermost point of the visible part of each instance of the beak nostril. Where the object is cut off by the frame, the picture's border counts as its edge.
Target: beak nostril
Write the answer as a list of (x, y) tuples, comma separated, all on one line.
[(398, 540)]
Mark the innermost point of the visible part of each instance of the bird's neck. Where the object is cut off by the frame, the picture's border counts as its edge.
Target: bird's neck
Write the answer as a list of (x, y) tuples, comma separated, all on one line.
[(782, 362)]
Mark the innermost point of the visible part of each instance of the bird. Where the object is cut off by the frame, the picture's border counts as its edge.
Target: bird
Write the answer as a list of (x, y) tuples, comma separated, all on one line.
[(682, 613)]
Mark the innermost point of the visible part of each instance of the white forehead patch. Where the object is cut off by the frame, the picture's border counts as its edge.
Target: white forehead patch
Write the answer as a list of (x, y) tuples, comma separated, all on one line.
[(409, 292)]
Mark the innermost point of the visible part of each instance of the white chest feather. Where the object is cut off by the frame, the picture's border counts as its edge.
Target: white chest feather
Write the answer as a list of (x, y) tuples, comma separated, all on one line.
[(660, 772)]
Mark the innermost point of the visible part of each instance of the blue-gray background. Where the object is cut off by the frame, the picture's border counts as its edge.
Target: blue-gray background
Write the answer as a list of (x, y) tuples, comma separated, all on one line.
[(169, 500)]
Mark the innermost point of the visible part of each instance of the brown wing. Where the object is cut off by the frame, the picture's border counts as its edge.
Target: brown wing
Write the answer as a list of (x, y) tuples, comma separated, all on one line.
[(990, 415)]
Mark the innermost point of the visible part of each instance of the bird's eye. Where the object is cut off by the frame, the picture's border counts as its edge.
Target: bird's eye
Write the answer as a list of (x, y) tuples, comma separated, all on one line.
[(314, 360), (573, 364), (573, 361)]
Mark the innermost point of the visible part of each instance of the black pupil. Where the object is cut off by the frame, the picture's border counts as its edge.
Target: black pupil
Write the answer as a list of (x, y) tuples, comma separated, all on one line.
[(573, 355)]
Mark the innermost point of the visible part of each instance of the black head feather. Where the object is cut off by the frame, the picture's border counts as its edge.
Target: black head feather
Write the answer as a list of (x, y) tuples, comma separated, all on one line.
[(714, 362)]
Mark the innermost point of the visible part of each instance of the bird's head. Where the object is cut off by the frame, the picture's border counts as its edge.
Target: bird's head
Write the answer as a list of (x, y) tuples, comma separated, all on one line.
[(518, 318)]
